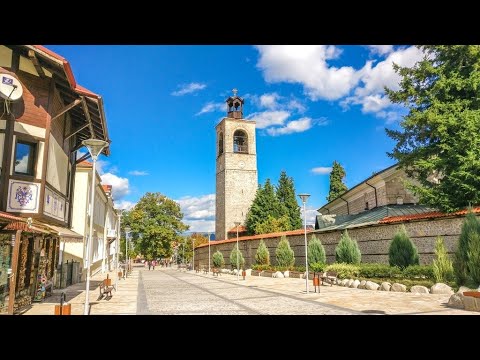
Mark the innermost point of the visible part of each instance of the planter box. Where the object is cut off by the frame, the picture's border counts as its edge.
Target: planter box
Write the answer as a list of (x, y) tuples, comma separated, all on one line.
[(256, 272), (267, 273), (296, 274), (475, 294)]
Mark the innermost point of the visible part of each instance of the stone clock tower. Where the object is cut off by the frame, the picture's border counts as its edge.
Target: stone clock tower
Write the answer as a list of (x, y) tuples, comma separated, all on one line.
[(236, 170)]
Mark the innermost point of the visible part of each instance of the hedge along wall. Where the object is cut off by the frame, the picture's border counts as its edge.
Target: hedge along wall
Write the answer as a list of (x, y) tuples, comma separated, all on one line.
[(373, 242)]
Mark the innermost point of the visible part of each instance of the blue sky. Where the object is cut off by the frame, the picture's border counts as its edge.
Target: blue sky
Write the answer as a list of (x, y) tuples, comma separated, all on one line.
[(313, 105)]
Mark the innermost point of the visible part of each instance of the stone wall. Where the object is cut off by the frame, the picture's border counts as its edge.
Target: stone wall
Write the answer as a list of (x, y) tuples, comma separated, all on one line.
[(373, 241)]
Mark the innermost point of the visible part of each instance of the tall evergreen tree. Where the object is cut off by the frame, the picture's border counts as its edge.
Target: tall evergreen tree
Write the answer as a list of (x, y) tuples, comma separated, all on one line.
[(337, 187), (439, 143), (288, 203), (264, 204)]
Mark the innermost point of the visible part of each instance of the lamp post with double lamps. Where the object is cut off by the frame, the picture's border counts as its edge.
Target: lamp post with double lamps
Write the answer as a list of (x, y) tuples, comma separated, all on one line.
[(304, 198), (237, 224), (95, 147)]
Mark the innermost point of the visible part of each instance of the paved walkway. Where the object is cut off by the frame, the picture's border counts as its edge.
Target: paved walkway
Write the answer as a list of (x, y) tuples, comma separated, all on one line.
[(171, 291), (122, 302)]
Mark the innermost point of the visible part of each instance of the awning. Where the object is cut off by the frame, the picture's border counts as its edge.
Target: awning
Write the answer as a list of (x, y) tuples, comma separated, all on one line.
[(65, 233)]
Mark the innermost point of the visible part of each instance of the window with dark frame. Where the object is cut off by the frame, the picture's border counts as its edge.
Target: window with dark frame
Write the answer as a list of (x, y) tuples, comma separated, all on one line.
[(25, 158)]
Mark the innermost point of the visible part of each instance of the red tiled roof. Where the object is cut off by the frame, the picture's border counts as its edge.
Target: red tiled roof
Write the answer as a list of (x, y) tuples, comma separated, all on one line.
[(256, 237), (429, 215), (107, 188), (7, 216), (68, 72), (85, 163), (241, 228)]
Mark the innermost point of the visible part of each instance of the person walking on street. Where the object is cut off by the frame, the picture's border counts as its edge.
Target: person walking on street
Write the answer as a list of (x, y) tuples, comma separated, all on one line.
[(154, 263), (149, 265)]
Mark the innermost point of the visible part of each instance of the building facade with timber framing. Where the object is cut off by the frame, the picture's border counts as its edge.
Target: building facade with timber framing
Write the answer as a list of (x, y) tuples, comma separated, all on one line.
[(40, 134)]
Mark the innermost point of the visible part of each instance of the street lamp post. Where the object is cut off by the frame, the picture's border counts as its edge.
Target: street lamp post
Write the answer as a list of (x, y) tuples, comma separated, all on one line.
[(238, 266), (193, 253), (127, 234), (304, 198), (117, 247), (95, 147), (209, 253)]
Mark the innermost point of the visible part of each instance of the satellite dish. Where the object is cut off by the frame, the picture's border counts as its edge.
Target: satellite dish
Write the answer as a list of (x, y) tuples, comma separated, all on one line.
[(10, 87)]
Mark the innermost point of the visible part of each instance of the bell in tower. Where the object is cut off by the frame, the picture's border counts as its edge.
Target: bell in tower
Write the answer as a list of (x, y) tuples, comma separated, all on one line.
[(235, 106)]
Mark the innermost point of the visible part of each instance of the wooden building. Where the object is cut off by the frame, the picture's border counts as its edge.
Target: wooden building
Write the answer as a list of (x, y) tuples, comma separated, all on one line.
[(44, 119)]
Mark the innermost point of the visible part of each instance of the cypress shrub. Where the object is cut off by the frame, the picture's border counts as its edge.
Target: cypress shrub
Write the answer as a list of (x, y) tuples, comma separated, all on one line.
[(473, 262), (470, 226), (442, 265), (347, 250), (402, 251), (316, 252), (262, 256), (233, 258), (284, 253), (218, 260)]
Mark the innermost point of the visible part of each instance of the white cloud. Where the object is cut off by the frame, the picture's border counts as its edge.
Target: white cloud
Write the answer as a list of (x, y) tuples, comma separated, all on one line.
[(307, 64), (120, 186), (201, 226), (269, 101), (311, 214), (296, 105), (268, 118), (124, 205), (138, 173), (295, 126), (188, 88), (195, 208), (212, 106), (198, 212), (381, 49), (322, 170), (22, 165)]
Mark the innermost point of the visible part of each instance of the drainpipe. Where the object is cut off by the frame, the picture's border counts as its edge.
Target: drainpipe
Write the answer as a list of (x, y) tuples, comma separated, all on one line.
[(376, 201), (348, 208)]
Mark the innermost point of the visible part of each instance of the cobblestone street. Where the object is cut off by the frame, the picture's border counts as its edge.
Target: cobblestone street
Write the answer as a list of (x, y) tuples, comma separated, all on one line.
[(174, 292)]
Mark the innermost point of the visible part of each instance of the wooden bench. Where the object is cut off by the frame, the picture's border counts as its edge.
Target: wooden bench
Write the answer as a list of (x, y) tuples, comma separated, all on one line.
[(105, 289), (216, 271), (329, 277), (48, 288), (205, 270)]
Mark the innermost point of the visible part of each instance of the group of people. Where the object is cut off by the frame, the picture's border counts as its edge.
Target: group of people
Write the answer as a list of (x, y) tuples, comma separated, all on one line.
[(150, 264)]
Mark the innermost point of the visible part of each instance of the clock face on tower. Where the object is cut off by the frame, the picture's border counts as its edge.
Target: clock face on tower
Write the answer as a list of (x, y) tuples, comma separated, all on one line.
[(241, 164)]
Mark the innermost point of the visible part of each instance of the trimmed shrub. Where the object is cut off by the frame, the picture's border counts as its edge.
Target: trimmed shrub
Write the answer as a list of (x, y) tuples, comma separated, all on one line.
[(471, 225), (344, 271), (347, 250), (300, 268), (218, 260), (316, 252), (402, 251), (284, 253), (418, 272), (262, 256), (473, 262), (379, 271), (233, 258), (261, 267), (317, 266), (442, 265)]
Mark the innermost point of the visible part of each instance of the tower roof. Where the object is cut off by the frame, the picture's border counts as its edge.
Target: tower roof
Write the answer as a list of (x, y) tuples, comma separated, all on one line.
[(235, 106)]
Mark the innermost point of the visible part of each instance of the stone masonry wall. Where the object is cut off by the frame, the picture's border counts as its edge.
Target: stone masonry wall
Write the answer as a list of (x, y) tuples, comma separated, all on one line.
[(373, 241)]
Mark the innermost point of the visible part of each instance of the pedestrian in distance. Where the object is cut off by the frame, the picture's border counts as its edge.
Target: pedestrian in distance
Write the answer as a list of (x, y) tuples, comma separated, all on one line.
[(149, 265), (154, 263)]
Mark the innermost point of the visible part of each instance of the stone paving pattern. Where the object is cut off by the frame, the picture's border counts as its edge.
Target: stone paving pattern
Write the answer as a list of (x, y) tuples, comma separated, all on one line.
[(171, 291)]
